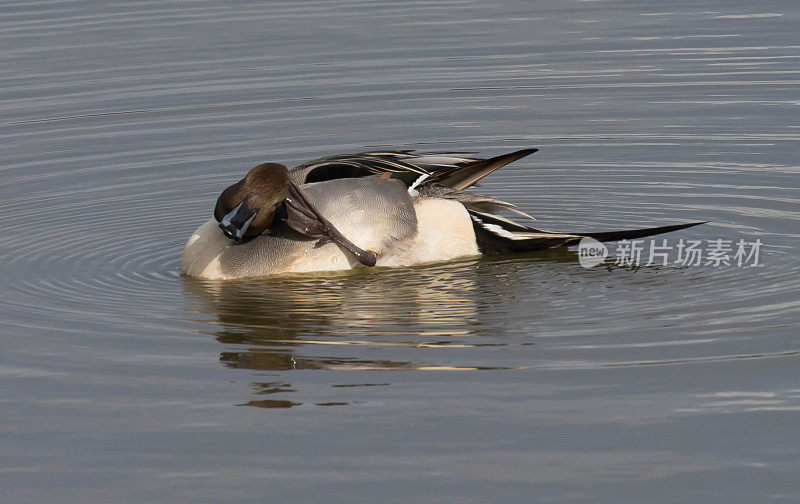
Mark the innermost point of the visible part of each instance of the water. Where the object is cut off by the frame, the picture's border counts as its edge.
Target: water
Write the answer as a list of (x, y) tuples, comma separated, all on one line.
[(511, 379)]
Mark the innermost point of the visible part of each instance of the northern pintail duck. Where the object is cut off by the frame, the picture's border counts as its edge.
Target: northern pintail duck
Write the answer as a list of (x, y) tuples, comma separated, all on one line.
[(393, 208)]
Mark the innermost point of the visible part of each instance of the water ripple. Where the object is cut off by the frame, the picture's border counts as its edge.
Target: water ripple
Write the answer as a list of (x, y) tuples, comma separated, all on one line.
[(109, 168)]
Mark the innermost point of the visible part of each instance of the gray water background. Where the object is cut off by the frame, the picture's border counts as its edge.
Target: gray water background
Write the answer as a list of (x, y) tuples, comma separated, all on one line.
[(512, 379)]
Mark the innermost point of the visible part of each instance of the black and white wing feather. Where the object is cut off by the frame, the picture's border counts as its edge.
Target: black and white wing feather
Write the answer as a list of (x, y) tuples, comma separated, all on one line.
[(447, 175)]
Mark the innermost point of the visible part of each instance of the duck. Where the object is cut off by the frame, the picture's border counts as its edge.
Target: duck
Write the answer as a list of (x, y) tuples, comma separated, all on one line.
[(394, 208)]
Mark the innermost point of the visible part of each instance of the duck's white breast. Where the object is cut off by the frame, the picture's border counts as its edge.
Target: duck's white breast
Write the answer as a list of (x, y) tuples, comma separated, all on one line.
[(443, 232)]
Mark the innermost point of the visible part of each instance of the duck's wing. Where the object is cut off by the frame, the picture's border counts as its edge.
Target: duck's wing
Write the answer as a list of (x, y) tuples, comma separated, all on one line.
[(446, 175), (432, 175), (392, 164), (456, 170)]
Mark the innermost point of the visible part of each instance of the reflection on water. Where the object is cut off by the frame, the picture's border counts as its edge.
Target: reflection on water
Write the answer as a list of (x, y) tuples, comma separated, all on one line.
[(338, 320), (312, 322), (425, 307)]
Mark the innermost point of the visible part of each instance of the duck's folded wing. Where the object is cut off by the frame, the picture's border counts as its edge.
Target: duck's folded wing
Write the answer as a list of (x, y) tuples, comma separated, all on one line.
[(394, 164), (457, 170)]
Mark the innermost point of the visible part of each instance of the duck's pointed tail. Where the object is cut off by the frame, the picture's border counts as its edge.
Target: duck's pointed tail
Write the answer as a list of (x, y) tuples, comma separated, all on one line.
[(630, 234), (496, 236)]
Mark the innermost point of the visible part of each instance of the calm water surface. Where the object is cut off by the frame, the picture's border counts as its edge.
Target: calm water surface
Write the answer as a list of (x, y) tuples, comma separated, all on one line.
[(511, 379)]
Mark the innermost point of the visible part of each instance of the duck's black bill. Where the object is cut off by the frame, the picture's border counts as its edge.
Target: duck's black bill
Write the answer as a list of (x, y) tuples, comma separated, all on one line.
[(236, 222)]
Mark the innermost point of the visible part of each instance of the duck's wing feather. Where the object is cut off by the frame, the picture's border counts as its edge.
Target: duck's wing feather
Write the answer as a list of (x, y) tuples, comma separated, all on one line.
[(392, 164), (474, 202), (457, 170), (467, 174)]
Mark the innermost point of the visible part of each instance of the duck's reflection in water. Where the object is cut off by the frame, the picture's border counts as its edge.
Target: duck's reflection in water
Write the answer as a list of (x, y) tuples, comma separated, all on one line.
[(357, 320)]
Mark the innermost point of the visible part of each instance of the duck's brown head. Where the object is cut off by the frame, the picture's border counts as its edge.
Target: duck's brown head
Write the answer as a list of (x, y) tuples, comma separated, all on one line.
[(247, 208)]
